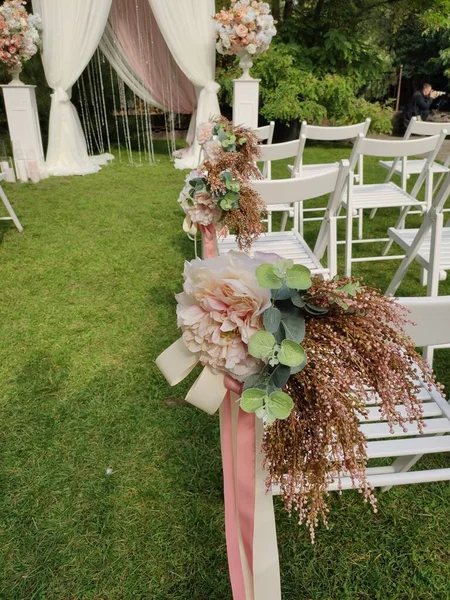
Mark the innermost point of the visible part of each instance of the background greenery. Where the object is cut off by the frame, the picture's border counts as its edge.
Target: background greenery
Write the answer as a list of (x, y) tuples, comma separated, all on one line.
[(333, 61), (87, 303)]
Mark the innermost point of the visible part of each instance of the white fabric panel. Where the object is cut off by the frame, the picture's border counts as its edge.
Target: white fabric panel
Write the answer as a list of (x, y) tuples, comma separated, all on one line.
[(111, 48), (188, 30), (71, 34)]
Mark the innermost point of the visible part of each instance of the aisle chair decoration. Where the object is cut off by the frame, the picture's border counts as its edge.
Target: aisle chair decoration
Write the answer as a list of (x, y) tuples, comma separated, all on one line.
[(292, 363), (217, 194)]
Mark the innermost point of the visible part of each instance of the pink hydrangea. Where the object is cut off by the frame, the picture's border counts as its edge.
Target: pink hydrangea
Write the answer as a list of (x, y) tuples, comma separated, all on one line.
[(204, 132), (212, 149), (220, 309), (200, 206)]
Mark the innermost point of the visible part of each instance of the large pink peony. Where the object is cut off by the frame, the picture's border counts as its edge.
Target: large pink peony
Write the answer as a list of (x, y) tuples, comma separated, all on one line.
[(220, 309)]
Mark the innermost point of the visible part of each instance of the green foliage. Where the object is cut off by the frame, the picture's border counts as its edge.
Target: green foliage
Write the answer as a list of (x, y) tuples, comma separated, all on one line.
[(292, 90)]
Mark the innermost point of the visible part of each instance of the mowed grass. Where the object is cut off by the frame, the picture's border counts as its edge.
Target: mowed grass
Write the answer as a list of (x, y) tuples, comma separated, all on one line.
[(87, 303)]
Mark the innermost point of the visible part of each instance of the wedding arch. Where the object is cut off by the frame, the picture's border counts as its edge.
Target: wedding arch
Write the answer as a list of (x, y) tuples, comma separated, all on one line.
[(164, 50)]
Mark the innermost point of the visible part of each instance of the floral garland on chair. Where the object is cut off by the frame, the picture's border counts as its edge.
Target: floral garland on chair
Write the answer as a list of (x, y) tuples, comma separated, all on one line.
[(310, 354), (218, 192)]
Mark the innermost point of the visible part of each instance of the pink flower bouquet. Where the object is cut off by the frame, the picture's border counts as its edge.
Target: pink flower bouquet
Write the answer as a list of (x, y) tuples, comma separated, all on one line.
[(19, 33), (246, 26)]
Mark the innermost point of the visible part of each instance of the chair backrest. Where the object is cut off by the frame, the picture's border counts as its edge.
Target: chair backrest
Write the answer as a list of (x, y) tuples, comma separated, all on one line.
[(432, 221), (281, 151), (400, 149), (327, 134), (431, 318), (334, 134), (265, 133), (424, 128), (289, 191)]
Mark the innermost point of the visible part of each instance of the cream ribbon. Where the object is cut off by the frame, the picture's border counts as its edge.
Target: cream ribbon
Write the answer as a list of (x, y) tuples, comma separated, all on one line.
[(208, 390)]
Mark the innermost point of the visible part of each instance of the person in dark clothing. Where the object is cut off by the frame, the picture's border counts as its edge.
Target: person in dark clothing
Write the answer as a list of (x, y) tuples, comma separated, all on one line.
[(422, 101)]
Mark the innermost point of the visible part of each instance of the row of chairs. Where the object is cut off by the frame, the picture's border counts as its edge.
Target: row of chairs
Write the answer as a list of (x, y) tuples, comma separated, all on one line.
[(430, 314), (358, 198)]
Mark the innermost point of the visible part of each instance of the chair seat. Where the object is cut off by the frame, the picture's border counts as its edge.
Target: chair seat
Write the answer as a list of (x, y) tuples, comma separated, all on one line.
[(381, 443), (288, 244), (381, 195), (413, 167), (405, 237)]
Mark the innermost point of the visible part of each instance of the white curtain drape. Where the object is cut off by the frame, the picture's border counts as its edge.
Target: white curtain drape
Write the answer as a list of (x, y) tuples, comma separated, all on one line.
[(111, 48), (71, 34), (188, 30)]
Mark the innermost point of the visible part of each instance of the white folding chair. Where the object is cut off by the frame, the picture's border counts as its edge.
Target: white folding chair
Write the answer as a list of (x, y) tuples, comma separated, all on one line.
[(12, 215), (273, 152), (431, 316), (432, 327), (407, 167), (386, 195), (324, 134), (290, 244), (265, 134), (429, 245)]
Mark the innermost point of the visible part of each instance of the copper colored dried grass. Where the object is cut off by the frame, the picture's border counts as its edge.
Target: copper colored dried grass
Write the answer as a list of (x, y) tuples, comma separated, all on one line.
[(348, 352), (245, 221)]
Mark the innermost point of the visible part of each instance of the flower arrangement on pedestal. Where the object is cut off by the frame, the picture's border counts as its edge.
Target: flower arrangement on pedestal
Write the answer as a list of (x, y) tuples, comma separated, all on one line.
[(218, 192), (245, 29), (246, 25), (311, 355), (19, 35)]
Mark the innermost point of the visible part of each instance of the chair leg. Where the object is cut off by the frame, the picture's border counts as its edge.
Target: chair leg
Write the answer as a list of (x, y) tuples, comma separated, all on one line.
[(10, 210), (348, 242), (284, 219), (301, 217), (401, 219), (402, 465), (373, 212), (269, 221), (423, 276), (360, 224)]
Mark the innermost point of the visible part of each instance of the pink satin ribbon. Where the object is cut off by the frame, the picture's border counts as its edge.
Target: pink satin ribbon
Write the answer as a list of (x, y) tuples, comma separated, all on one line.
[(239, 472)]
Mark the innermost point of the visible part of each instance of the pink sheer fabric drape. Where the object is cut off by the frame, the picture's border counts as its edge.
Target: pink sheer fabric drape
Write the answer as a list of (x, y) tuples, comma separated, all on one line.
[(136, 29)]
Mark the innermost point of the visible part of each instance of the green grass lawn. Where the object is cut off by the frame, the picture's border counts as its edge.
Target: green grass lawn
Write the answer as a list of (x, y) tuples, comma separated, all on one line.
[(87, 303)]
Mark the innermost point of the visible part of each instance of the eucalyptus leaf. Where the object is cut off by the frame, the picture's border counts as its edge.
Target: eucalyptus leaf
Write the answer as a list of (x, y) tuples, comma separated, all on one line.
[(260, 412), (294, 327), (272, 319), (291, 353), (283, 292), (267, 278), (261, 344), (300, 367), (252, 399), (256, 381), (279, 405), (280, 376), (298, 301), (352, 288), (298, 277), (315, 310)]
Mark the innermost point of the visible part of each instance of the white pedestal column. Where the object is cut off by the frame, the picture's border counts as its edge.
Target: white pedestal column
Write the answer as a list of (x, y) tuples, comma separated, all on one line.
[(246, 102), (24, 129)]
